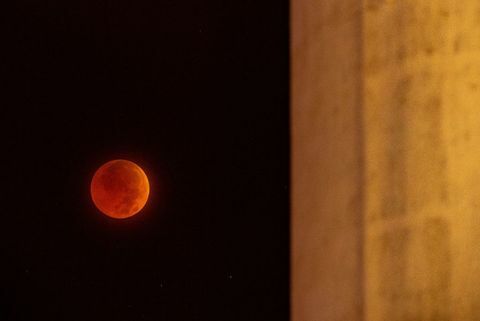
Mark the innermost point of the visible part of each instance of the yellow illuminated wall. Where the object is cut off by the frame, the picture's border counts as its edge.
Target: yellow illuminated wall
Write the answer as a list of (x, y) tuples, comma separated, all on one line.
[(385, 160), (421, 120)]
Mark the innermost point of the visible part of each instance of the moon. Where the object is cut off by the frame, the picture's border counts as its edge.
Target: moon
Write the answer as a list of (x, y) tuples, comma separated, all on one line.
[(120, 189)]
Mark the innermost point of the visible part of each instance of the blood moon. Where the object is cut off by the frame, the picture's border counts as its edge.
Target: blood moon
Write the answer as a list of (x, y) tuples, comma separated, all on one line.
[(120, 188)]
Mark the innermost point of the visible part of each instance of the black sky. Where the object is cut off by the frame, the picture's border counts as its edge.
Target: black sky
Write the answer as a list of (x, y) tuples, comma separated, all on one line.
[(196, 92)]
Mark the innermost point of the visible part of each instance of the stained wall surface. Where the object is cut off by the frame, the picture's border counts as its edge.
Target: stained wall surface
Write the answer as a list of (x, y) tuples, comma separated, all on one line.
[(421, 116), (385, 160)]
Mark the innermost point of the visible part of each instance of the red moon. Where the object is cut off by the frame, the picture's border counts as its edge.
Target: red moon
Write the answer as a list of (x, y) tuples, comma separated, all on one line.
[(120, 189)]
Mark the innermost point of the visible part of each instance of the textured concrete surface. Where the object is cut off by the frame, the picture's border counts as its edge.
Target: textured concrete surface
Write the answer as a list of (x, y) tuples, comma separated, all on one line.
[(385, 160), (422, 159)]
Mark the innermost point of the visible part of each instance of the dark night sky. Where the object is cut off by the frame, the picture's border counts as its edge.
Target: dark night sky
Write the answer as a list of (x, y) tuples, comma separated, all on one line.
[(196, 92)]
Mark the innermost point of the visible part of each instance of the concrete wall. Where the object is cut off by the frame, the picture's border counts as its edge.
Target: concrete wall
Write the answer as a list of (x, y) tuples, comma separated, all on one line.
[(326, 162), (386, 160), (421, 112)]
